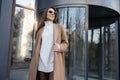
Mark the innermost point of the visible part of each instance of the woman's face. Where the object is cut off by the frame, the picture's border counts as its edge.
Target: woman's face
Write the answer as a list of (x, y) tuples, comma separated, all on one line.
[(51, 14)]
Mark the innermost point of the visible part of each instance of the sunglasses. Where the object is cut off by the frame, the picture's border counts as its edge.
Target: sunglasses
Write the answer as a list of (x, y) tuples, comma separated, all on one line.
[(52, 12)]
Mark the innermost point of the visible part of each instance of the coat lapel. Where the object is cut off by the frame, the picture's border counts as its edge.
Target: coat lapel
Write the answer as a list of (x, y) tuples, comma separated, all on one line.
[(55, 34)]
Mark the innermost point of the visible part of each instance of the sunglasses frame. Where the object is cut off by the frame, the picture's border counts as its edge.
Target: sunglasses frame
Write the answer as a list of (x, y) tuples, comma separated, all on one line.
[(51, 12)]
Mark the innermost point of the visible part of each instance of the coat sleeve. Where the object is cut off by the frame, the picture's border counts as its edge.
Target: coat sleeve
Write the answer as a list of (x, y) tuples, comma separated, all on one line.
[(64, 41)]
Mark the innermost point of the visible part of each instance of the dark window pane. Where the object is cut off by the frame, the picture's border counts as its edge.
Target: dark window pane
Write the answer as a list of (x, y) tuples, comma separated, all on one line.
[(102, 51)]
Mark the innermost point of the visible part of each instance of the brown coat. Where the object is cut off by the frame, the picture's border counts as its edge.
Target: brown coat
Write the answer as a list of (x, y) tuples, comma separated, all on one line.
[(60, 37)]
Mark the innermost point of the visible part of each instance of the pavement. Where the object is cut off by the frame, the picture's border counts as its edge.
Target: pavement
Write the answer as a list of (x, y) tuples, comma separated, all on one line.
[(19, 71), (22, 74), (19, 74)]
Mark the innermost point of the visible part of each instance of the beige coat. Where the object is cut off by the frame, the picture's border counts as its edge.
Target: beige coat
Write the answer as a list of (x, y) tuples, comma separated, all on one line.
[(60, 37)]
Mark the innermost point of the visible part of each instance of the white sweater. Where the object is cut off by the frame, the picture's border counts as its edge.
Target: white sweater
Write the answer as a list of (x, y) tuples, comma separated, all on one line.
[(46, 60)]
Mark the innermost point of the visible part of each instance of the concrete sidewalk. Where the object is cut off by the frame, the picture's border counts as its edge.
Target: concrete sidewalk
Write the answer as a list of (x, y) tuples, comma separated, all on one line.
[(22, 74), (19, 74)]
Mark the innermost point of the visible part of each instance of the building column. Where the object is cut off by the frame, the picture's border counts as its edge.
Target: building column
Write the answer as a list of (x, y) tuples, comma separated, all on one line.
[(5, 26)]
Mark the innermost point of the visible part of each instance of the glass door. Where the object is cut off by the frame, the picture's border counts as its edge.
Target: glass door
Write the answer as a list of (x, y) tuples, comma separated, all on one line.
[(102, 40), (73, 19)]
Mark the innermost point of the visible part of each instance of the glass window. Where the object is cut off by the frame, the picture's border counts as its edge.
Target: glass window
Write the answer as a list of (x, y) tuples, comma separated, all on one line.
[(94, 44), (22, 34), (73, 19), (109, 51), (22, 39), (102, 51), (27, 3)]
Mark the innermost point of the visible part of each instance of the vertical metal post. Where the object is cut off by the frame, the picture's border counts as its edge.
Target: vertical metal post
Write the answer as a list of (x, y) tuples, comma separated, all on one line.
[(117, 50), (100, 55), (86, 43)]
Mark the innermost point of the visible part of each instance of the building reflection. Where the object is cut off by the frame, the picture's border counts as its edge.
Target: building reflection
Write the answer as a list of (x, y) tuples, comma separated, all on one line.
[(22, 39)]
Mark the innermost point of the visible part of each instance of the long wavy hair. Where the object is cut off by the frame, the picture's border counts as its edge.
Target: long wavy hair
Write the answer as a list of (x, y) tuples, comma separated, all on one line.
[(44, 18)]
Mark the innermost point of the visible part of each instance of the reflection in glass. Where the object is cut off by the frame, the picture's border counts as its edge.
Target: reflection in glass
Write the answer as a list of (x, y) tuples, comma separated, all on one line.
[(22, 39), (94, 44), (21, 44), (73, 19), (22, 35), (28, 3), (109, 52), (102, 52)]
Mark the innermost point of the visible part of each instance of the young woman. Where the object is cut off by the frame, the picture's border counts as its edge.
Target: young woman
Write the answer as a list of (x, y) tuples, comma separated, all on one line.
[(51, 41)]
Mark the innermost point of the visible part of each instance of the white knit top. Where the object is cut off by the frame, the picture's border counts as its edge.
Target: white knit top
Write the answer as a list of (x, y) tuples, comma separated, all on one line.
[(46, 60)]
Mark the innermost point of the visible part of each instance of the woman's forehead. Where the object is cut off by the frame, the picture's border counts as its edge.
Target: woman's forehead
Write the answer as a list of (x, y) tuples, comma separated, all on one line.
[(51, 9)]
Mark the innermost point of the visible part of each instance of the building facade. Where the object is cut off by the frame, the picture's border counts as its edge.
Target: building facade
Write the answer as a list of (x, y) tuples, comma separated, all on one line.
[(92, 28)]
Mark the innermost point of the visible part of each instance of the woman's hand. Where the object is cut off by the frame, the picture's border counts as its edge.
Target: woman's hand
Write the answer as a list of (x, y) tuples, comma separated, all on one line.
[(56, 47)]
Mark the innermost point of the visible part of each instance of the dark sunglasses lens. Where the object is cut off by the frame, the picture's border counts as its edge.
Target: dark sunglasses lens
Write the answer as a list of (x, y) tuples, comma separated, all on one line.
[(51, 12)]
